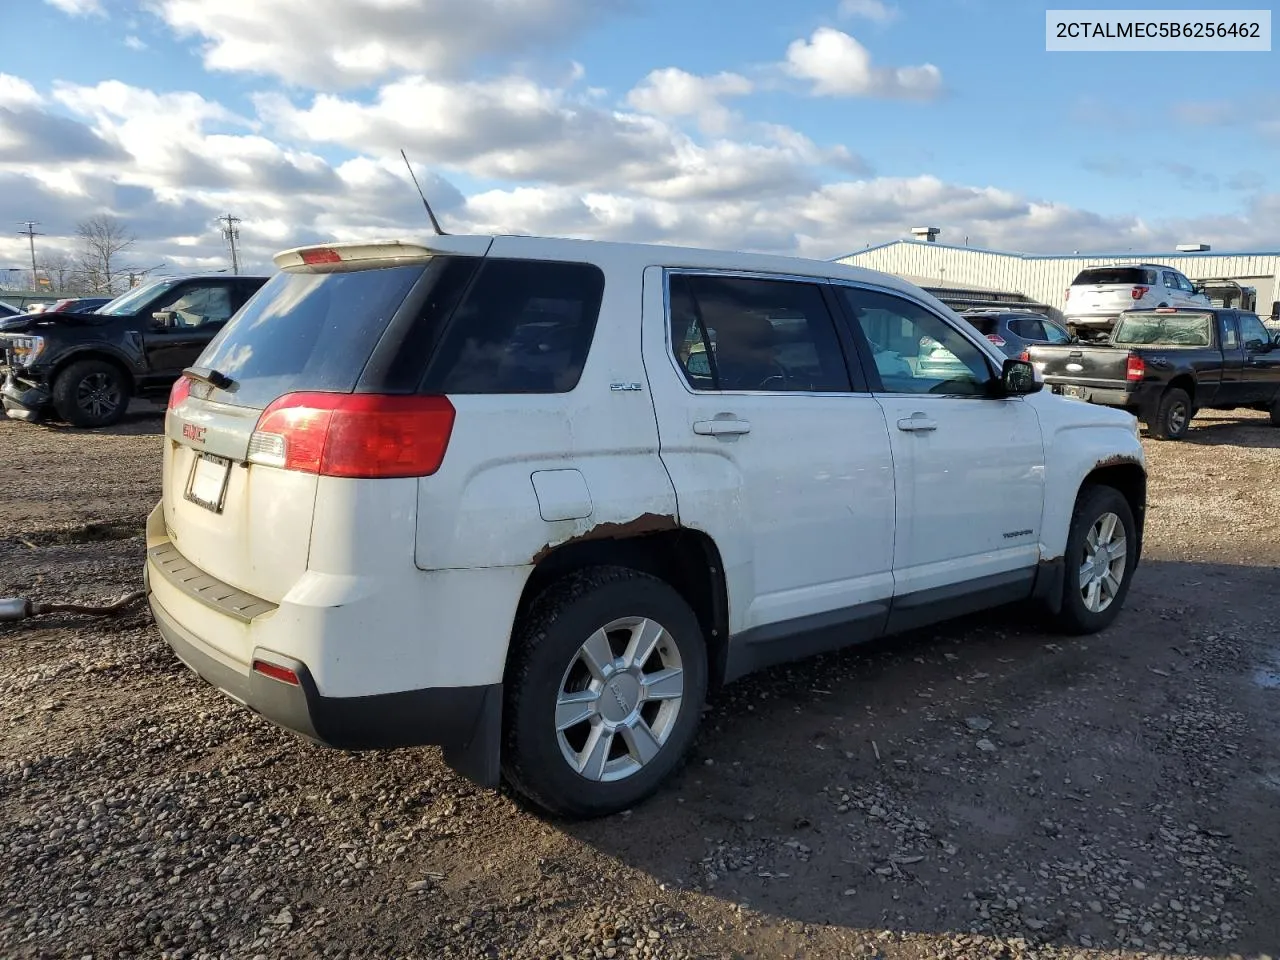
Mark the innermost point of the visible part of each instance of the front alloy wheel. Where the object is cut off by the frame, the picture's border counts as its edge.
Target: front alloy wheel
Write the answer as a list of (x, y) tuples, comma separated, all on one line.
[(1106, 554), (1102, 551)]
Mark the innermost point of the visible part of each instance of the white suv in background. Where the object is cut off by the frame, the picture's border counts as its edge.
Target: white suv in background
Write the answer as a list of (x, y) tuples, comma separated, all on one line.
[(534, 499), (1098, 295)]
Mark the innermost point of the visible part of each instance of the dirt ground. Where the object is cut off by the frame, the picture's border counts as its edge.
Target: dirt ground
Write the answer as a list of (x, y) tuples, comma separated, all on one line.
[(979, 790)]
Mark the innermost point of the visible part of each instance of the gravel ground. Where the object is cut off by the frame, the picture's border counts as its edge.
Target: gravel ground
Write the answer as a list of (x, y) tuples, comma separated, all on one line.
[(979, 790)]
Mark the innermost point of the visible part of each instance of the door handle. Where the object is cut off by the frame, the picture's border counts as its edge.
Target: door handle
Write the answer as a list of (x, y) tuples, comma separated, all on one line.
[(917, 423), (721, 428)]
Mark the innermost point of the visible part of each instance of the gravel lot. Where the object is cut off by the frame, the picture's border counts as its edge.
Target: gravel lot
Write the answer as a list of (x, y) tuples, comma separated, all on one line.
[(979, 790)]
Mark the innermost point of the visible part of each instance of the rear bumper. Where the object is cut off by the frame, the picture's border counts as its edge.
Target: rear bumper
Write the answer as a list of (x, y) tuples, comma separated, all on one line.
[(1093, 319), (1105, 396), (464, 720), (1140, 399), (192, 615)]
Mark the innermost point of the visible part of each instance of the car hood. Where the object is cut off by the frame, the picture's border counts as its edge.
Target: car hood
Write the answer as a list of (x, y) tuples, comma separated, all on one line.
[(35, 322)]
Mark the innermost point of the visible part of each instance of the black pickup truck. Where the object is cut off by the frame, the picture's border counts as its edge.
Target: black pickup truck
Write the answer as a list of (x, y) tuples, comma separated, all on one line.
[(1164, 365), (86, 366)]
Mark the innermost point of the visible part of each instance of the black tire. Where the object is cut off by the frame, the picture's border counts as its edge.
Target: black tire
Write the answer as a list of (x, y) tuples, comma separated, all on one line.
[(1173, 416), (1093, 503), (1275, 412), (545, 647), (91, 393)]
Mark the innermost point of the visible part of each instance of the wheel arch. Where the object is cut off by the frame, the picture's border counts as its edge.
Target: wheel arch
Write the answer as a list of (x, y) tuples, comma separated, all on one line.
[(1185, 382), (1129, 479), (686, 559), (93, 353)]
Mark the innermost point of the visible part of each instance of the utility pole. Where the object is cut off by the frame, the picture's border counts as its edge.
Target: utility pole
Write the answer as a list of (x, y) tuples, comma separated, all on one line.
[(231, 233), (31, 234)]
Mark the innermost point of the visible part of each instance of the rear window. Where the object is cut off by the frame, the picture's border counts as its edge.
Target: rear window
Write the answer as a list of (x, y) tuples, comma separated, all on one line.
[(306, 331), (984, 325), (1163, 329), (525, 326), (1112, 275)]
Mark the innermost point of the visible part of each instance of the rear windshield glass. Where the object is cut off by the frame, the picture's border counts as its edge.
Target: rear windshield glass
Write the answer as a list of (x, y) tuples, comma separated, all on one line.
[(1163, 329), (306, 331), (1124, 275), (984, 325)]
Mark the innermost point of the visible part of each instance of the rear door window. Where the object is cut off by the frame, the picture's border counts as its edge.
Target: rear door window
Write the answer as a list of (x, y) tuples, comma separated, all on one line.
[(525, 326), (737, 333), (1028, 328), (1230, 332)]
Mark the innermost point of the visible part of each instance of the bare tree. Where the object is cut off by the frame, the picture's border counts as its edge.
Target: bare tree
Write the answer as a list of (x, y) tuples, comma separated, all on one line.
[(63, 272), (103, 241)]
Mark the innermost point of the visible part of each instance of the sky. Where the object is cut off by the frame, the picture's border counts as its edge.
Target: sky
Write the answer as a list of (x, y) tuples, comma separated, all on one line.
[(812, 127)]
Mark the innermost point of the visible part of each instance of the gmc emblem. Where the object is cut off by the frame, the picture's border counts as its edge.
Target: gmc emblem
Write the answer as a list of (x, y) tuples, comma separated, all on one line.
[(193, 433)]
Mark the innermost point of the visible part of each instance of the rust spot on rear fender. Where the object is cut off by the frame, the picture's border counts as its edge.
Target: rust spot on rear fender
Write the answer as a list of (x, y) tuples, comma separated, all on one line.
[(645, 523)]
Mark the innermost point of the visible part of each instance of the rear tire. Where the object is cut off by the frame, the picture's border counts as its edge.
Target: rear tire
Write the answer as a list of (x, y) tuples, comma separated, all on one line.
[(91, 393), (1275, 412), (1102, 551), (591, 726), (1173, 416)]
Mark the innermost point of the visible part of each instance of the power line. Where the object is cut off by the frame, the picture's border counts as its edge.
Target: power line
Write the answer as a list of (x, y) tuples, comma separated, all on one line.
[(231, 233), (31, 234)]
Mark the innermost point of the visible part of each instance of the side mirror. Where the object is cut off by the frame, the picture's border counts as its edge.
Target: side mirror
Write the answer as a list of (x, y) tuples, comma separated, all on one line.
[(163, 319), (1019, 378)]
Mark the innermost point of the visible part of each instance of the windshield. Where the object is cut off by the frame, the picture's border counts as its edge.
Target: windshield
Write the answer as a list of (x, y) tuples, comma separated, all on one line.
[(134, 300), (1163, 329), (1127, 276)]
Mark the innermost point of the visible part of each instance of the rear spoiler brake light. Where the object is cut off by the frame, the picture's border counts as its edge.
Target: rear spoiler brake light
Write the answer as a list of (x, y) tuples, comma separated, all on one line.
[(338, 257)]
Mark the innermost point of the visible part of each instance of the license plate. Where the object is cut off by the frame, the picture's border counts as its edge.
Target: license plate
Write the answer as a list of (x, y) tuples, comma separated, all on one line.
[(1069, 390), (207, 486)]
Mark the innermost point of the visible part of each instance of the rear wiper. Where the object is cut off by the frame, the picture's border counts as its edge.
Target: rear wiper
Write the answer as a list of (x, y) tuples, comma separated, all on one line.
[(219, 381)]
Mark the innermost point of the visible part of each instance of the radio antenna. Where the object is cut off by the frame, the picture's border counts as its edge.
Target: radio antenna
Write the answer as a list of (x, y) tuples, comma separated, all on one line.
[(434, 222)]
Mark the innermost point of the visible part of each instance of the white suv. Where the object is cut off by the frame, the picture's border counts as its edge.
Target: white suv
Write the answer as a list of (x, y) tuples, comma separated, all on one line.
[(534, 499), (1098, 295)]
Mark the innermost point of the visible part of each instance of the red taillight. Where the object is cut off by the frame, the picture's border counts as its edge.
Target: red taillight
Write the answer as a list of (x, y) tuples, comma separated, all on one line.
[(283, 674), (1138, 292), (1025, 356), (1135, 369), (354, 435), (1067, 295), (180, 390), (996, 339), (321, 256)]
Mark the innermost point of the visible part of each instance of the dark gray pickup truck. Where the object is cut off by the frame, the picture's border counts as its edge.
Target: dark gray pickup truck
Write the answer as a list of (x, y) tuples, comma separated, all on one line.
[(1164, 365)]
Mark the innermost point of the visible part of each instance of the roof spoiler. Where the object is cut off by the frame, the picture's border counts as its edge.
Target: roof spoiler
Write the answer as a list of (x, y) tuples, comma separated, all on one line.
[(368, 255)]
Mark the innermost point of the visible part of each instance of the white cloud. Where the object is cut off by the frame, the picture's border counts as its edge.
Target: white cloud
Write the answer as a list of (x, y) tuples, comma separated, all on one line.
[(168, 164), (512, 129), (78, 8), (16, 92), (329, 44), (135, 43), (876, 11), (672, 92), (839, 66)]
